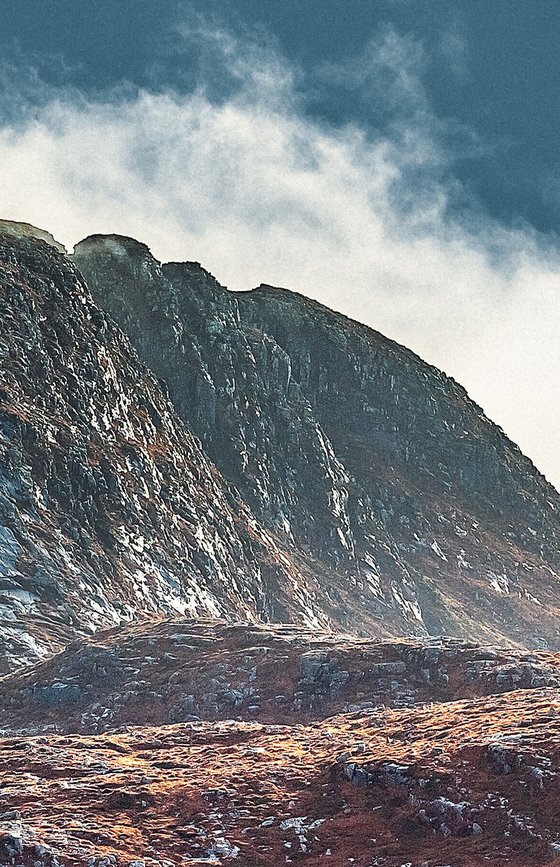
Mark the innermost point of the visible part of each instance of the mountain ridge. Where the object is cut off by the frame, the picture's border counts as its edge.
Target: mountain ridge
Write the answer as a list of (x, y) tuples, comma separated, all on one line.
[(359, 488), (274, 383)]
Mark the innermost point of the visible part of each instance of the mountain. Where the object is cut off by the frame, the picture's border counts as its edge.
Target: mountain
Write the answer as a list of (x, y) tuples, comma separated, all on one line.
[(258, 476), (261, 458), (109, 509), (414, 510)]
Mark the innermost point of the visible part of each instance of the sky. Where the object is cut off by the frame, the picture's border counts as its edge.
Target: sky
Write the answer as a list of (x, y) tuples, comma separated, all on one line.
[(397, 160)]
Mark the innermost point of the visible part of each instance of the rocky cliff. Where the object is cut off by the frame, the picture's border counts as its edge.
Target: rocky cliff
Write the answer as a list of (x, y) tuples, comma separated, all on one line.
[(109, 509), (372, 465)]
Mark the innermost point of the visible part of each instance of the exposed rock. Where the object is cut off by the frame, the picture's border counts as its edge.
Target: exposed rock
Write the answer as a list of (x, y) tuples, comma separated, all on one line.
[(377, 467), (185, 670), (109, 509)]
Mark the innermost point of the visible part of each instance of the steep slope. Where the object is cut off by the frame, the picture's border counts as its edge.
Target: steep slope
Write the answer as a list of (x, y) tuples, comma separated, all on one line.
[(180, 670), (375, 466), (108, 506)]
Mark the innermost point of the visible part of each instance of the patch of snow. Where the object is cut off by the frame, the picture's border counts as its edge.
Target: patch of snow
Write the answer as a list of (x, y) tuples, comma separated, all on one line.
[(499, 583), (437, 550)]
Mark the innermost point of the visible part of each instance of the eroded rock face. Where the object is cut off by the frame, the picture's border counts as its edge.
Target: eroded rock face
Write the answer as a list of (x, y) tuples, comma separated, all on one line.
[(109, 509), (233, 385), (413, 509)]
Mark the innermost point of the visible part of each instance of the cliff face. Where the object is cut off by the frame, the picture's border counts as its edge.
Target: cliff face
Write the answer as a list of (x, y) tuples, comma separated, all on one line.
[(109, 509), (352, 486), (411, 507)]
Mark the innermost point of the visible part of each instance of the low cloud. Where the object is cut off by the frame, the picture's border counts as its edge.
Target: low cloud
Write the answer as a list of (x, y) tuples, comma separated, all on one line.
[(258, 191)]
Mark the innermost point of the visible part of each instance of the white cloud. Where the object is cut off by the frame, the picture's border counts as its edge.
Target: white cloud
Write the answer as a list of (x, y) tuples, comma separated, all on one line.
[(258, 192)]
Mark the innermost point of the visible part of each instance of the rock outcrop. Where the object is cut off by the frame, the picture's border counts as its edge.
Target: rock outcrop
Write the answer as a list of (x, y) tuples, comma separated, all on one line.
[(182, 670), (413, 508)]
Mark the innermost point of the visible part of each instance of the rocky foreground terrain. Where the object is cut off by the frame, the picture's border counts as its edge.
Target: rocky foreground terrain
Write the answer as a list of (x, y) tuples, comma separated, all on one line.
[(233, 530), (183, 670), (280, 747)]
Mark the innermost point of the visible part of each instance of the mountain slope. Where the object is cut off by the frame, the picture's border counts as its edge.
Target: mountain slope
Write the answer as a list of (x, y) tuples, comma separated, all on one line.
[(109, 509), (372, 464)]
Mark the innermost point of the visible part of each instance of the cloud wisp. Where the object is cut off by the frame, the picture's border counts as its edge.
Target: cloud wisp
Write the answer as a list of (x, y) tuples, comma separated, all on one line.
[(258, 191)]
